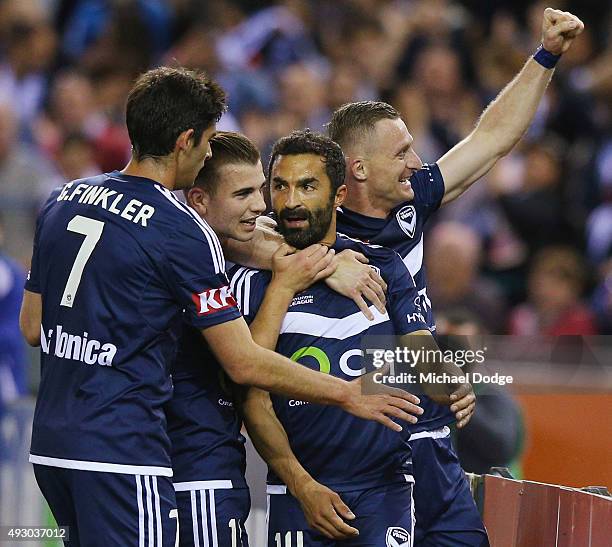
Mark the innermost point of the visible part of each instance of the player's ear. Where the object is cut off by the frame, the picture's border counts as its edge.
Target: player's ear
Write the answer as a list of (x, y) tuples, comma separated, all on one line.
[(184, 141), (198, 199), (340, 196), (358, 169)]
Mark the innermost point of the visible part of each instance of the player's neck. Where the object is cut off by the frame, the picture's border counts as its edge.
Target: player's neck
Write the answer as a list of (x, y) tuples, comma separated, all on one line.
[(359, 202), (157, 170), (330, 236)]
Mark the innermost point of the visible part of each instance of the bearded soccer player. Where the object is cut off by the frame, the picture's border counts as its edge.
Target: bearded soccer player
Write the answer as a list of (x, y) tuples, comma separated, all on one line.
[(118, 263), (365, 463), (391, 194)]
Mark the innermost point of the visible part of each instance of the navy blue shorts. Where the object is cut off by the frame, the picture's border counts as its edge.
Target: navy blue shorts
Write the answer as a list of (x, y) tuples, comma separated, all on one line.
[(110, 509), (383, 517), (446, 514), (213, 517)]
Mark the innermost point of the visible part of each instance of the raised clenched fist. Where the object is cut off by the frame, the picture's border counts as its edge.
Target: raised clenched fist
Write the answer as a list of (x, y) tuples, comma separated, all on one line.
[(559, 28)]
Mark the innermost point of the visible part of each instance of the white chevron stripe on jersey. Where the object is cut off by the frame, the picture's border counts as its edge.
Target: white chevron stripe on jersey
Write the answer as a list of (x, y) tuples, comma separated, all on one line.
[(240, 286), (247, 292), (414, 259), (331, 327), (213, 241), (234, 280)]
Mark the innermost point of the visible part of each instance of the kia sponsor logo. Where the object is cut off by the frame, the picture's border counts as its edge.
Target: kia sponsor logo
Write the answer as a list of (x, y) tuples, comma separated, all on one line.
[(214, 300)]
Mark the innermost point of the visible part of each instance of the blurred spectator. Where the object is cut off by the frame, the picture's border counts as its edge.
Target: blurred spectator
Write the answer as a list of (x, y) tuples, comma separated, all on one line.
[(452, 258), (75, 158), (271, 39), (303, 96), (529, 190), (557, 279), (72, 108), (346, 86), (28, 49), (601, 302), (13, 377), (132, 33), (453, 108), (26, 179)]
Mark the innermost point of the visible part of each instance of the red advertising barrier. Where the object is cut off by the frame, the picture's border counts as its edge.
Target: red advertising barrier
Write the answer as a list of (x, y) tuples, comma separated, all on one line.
[(532, 514)]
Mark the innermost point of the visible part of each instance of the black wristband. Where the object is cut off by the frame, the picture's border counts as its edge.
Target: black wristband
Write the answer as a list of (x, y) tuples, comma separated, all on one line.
[(545, 57)]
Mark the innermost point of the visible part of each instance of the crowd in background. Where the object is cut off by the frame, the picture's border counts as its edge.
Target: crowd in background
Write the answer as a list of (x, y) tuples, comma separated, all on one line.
[(528, 250)]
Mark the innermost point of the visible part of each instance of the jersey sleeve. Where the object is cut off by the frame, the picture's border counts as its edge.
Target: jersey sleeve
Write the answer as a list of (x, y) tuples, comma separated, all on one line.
[(32, 283), (428, 186), (403, 300), (33, 280), (194, 269), (249, 286)]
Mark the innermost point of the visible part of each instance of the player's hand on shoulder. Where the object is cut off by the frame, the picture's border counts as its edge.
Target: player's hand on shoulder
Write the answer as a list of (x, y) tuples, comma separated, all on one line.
[(559, 28), (297, 270), (356, 280), (463, 404), (325, 511), (380, 402)]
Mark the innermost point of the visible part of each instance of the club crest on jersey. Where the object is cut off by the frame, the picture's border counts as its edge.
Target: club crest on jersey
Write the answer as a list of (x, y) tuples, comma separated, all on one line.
[(214, 300), (406, 218), (397, 537)]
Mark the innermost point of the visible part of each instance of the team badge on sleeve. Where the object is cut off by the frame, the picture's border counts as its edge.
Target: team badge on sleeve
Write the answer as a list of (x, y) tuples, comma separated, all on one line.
[(397, 537), (406, 218), (214, 300)]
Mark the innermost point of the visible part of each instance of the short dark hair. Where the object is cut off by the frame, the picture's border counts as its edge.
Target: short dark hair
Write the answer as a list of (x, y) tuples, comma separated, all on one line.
[(166, 101), (306, 141), (227, 147), (352, 119)]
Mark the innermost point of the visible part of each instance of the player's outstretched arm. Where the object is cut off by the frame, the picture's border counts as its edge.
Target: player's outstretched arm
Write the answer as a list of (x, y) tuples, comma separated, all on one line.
[(461, 400), (248, 363), (323, 508), (507, 118), (30, 317)]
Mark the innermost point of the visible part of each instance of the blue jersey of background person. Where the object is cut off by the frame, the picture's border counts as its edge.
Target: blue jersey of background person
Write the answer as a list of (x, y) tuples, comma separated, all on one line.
[(13, 363), (402, 231), (106, 347), (203, 419), (323, 331)]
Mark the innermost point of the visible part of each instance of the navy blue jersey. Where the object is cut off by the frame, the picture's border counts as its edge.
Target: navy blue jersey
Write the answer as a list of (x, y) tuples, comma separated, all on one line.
[(203, 419), (323, 331), (117, 259), (402, 231)]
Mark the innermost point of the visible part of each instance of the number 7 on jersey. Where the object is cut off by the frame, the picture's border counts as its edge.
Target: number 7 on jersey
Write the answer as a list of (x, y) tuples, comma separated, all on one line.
[(92, 230)]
